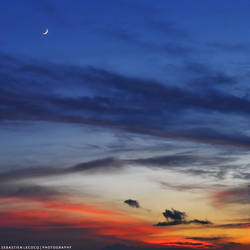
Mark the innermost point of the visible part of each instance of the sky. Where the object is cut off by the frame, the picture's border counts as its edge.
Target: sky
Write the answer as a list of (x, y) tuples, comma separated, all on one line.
[(126, 127)]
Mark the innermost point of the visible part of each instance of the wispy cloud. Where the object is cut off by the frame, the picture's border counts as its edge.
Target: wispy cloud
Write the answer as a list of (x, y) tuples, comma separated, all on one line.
[(237, 195)]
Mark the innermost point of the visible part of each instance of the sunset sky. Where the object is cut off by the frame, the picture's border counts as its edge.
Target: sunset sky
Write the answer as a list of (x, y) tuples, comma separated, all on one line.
[(127, 126)]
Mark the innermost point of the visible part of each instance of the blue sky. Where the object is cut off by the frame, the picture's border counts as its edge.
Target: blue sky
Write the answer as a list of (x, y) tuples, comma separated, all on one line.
[(152, 90)]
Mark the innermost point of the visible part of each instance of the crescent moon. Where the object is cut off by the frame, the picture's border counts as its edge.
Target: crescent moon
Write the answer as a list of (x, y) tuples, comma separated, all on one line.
[(46, 32)]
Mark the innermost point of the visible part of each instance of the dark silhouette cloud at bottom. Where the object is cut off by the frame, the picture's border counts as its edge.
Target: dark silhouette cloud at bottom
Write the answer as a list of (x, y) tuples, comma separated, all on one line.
[(228, 246)]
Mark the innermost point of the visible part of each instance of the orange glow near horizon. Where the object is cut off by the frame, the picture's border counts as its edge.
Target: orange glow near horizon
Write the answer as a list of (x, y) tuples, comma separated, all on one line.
[(103, 221)]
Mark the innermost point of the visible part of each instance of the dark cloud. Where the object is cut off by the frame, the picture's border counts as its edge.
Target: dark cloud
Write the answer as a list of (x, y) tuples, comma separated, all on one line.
[(29, 91), (206, 238), (202, 222), (192, 164), (175, 217), (181, 243), (216, 80), (202, 77), (175, 246), (29, 173), (132, 203), (182, 222), (243, 175), (190, 187), (170, 223), (185, 160), (234, 225), (36, 192), (100, 164), (241, 223), (96, 164), (166, 160)]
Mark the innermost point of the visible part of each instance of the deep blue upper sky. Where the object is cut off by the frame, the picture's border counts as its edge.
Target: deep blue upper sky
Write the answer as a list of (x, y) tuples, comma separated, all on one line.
[(123, 34), (171, 69), (160, 40)]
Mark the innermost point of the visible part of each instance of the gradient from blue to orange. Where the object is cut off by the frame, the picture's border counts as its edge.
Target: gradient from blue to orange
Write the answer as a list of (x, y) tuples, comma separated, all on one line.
[(139, 101)]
